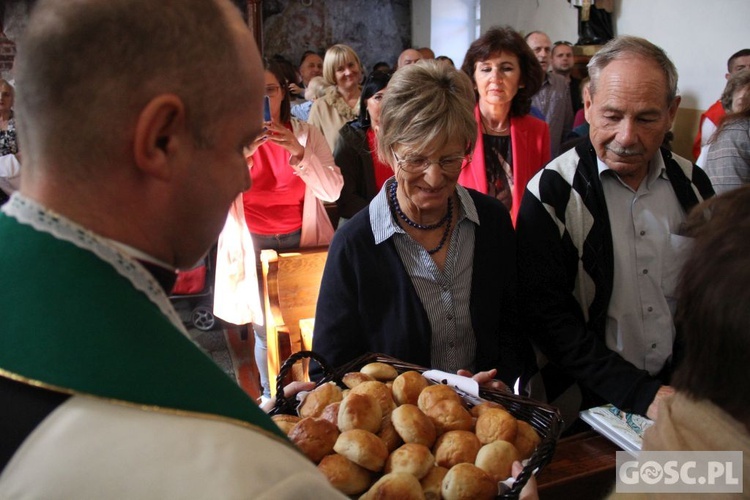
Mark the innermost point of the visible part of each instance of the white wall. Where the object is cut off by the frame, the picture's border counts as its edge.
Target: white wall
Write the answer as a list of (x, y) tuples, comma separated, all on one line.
[(698, 35), (453, 28)]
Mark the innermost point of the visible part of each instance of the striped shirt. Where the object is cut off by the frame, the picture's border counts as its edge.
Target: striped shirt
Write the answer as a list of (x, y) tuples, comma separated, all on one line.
[(446, 294)]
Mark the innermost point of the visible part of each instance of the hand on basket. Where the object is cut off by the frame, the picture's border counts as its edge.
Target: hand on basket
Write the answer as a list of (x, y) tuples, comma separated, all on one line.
[(529, 491), (290, 390), (487, 379)]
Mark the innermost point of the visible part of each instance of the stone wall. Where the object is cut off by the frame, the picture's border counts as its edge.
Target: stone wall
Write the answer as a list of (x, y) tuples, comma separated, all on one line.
[(376, 30)]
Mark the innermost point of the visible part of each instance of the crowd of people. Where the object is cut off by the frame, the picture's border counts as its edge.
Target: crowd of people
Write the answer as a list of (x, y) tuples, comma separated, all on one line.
[(467, 238)]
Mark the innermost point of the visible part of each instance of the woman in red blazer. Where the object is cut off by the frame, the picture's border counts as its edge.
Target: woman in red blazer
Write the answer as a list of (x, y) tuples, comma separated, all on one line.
[(511, 144)]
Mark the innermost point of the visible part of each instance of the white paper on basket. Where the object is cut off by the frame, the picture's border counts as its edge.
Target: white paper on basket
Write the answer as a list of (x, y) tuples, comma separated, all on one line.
[(466, 384)]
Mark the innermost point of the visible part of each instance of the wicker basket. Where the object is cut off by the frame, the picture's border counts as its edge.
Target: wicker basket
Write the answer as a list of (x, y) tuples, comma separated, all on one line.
[(545, 419)]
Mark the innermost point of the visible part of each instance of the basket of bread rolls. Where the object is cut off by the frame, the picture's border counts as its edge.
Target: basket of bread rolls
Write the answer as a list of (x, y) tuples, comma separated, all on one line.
[(378, 428)]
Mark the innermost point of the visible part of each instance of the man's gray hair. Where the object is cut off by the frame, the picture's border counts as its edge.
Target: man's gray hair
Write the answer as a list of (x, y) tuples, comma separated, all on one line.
[(625, 46)]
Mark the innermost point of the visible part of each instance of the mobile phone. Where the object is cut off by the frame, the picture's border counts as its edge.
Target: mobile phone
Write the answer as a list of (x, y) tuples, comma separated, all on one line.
[(266, 109)]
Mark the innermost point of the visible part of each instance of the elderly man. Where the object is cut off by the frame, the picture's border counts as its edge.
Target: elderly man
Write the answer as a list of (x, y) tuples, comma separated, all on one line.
[(553, 99), (103, 394), (407, 57), (599, 243)]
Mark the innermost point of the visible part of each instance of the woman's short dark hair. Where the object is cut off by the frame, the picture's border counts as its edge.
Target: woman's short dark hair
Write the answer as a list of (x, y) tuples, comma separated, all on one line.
[(277, 70), (713, 307), (374, 83), (506, 39)]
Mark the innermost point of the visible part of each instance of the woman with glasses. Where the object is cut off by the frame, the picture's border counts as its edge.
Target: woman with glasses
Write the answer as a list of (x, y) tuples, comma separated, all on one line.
[(426, 272), (356, 151), (342, 70), (511, 144), (292, 172)]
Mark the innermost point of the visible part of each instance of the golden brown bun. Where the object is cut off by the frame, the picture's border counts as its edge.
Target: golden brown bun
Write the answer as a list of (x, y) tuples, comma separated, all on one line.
[(447, 415), (344, 475), (455, 447), (432, 483), (480, 408), (389, 435), (359, 411), (407, 386), (353, 379), (315, 437), (527, 440), (363, 448), (331, 413), (380, 392), (434, 393), (413, 426), (416, 459), (320, 397), (495, 424), (286, 422), (398, 485), (379, 371), (496, 459), (468, 482)]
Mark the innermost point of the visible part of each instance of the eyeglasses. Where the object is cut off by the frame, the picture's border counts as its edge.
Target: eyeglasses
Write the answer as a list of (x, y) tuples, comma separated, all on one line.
[(272, 90), (562, 42), (418, 164)]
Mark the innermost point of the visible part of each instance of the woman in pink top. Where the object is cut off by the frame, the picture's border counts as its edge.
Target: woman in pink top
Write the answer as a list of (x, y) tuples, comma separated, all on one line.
[(293, 173)]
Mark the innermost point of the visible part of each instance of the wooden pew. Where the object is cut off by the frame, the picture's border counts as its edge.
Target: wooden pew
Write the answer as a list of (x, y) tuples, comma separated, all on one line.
[(291, 282)]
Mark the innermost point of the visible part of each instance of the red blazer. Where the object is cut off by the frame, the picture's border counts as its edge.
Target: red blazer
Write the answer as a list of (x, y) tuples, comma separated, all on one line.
[(715, 113), (529, 139)]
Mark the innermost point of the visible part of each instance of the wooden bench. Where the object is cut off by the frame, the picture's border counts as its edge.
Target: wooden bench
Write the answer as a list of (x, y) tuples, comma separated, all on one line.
[(291, 282)]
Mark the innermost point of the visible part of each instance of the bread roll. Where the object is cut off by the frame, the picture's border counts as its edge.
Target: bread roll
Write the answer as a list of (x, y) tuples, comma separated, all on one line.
[(379, 371), (480, 408), (496, 459), (285, 422), (413, 426), (363, 448), (359, 411), (495, 424), (353, 379), (389, 435), (432, 483), (416, 459), (331, 413), (455, 447), (434, 393), (315, 437), (398, 485), (344, 475), (320, 397), (447, 415), (468, 482), (407, 387), (527, 440), (380, 392)]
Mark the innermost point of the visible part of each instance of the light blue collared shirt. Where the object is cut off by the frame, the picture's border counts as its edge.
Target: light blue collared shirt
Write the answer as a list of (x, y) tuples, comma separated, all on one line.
[(648, 256), (445, 295)]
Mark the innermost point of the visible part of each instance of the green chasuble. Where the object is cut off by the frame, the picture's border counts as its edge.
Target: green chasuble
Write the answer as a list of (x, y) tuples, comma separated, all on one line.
[(79, 316)]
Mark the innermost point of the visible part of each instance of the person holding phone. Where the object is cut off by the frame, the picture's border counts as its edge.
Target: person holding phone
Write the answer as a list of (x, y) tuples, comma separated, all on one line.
[(293, 173)]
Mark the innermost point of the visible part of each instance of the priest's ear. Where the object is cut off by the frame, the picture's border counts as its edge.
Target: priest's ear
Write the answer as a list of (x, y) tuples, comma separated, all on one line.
[(161, 131)]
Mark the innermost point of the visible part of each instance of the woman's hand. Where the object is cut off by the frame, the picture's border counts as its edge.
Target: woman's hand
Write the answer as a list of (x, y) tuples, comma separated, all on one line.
[(278, 134), (290, 390), (487, 379)]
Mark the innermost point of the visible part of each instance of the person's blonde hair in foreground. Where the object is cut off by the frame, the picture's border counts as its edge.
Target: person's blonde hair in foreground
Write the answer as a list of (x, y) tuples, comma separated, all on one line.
[(133, 141)]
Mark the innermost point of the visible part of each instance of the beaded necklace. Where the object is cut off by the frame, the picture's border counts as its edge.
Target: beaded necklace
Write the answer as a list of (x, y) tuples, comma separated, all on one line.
[(446, 220)]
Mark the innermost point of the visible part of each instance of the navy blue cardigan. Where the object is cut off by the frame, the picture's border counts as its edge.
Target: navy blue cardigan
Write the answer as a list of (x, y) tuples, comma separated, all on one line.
[(367, 302)]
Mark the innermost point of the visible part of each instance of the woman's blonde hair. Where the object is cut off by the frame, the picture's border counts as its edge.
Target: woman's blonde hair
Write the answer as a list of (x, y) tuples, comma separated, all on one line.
[(336, 56), (425, 103)]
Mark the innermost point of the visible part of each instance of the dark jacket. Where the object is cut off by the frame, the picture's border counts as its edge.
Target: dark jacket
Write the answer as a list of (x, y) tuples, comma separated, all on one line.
[(367, 302), (352, 155), (551, 286)]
